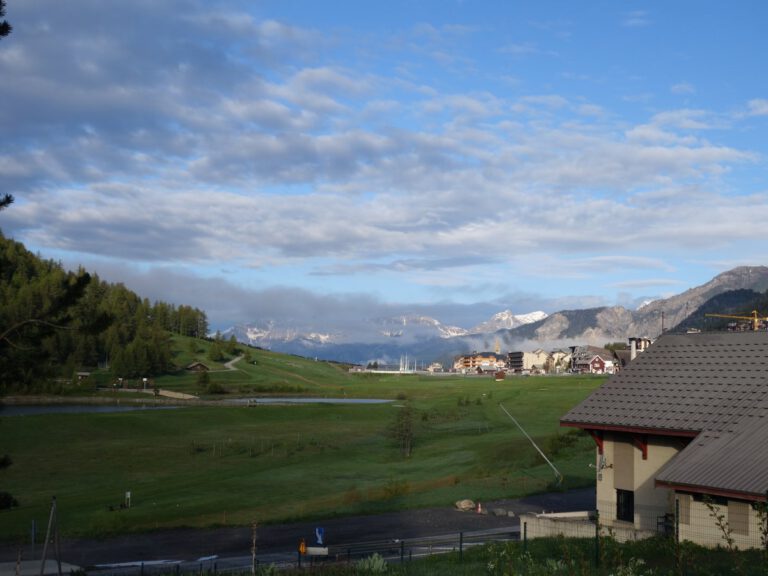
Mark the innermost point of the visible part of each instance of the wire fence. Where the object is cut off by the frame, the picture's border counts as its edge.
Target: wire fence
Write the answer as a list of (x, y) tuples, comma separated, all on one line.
[(391, 550)]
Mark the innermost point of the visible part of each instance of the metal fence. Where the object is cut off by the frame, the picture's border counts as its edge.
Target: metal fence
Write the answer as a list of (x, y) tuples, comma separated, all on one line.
[(392, 550)]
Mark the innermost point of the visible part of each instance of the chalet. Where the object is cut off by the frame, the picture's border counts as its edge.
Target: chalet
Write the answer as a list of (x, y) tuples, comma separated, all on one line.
[(480, 361), (682, 437), (198, 367), (592, 360)]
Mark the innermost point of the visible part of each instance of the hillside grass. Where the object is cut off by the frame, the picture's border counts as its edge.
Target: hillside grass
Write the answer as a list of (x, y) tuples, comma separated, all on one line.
[(223, 464)]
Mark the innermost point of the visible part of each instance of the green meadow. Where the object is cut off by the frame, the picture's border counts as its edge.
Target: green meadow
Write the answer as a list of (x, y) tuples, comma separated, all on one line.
[(218, 464)]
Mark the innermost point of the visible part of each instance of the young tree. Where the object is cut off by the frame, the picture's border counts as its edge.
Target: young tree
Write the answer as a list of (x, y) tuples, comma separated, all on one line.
[(232, 345), (6, 500), (215, 352), (5, 28), (403, 431)]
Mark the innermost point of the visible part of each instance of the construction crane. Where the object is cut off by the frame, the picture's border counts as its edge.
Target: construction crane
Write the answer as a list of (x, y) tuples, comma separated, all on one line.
[(754, 318)]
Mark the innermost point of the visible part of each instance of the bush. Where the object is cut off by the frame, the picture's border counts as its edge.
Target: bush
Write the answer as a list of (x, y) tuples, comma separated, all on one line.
[(215, 388), (7, 501), (372, 564)]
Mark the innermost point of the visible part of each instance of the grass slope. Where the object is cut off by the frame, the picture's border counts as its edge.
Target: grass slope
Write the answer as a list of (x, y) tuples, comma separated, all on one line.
[(216, 465)]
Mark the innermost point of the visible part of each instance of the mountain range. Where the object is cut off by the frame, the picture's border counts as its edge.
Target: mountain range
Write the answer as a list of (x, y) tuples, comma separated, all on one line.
[(425, 340)]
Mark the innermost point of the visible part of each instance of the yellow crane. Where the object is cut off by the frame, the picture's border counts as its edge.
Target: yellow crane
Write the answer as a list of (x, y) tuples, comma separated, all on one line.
[(754, 318)]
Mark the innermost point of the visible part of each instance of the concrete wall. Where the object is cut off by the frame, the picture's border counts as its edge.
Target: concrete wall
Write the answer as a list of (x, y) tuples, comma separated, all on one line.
[(574, 525), (569, 524)]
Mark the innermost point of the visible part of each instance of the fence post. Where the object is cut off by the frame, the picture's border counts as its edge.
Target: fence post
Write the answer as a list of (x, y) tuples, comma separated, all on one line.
[(678, 550), (597, 538), (764, 528), (402, 551), (525, 537), (461, 546)]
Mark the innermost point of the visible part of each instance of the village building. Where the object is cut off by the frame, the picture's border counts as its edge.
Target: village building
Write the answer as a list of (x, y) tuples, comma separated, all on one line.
[(592, 360), (681, 437), (198, 366), (480, 362), (559, 361), (535, 361)]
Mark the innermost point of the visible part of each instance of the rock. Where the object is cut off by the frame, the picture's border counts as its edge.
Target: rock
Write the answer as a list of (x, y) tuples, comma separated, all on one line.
[(499, 512), (465, 505)]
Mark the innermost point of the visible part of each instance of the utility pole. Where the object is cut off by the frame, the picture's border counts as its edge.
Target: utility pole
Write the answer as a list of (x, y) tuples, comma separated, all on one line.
[(53, 526)]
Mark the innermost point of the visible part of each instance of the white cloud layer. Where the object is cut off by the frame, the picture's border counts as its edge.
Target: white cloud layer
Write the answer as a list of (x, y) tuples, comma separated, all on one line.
[(222, 140)]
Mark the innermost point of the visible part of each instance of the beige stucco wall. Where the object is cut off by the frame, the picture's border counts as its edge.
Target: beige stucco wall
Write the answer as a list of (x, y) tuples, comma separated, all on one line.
[(623, 467), (698, 525)]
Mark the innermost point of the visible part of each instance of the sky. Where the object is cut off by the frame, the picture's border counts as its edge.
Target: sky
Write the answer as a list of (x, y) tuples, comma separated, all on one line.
[(340, 160)]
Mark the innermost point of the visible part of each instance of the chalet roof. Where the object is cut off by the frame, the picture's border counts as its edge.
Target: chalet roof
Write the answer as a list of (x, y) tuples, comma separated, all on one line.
[(712, 387), (726, 462), (587, 353), (623, 356)]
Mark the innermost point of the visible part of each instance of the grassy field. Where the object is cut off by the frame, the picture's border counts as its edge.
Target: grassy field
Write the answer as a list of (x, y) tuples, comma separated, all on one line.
[(218, 465)]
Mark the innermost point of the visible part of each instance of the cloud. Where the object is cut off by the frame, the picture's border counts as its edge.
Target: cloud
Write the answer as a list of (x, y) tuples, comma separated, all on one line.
[(683, 88), (184, 137), (649, 283), (758, 107), (636, 19)]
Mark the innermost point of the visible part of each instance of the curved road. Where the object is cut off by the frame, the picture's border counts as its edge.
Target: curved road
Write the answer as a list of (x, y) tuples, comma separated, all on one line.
[(192, 544)]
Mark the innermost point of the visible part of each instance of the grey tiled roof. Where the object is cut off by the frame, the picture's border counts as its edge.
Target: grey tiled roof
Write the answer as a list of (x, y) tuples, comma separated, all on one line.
[(711, 386), (684, 382), (733, 461)]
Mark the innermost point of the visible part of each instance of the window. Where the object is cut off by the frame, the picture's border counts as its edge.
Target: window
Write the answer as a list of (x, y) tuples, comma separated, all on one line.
[(738, 517), (684, 506), (625, 505)]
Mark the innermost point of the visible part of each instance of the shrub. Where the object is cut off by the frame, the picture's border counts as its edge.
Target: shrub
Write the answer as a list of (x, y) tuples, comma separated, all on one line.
[(7, 501), (215, 388), (374, 564)]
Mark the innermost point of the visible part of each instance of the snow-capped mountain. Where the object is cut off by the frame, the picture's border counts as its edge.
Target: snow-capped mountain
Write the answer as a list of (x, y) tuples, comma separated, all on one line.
[(507, 320), (421, 337), (415, 326), (383, 337)]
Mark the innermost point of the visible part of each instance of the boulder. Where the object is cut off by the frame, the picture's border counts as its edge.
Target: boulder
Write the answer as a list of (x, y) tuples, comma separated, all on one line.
[(465, 505)]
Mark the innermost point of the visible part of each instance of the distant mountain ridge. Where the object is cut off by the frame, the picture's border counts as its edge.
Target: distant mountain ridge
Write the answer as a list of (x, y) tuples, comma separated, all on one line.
[(427, 339), (507, 320)]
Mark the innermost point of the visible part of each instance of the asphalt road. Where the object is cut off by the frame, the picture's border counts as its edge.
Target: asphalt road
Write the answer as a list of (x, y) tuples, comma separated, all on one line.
[(193, 544)]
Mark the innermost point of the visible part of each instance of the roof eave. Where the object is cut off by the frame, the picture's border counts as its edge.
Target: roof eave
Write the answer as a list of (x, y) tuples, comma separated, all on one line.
[(708, 491), (632, 429)]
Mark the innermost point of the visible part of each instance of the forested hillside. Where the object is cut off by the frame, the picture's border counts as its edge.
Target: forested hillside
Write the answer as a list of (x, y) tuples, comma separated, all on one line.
[(54, 323)]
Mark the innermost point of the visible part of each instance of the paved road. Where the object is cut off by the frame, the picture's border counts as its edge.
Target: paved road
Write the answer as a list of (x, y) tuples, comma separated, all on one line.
[(192, 544)]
